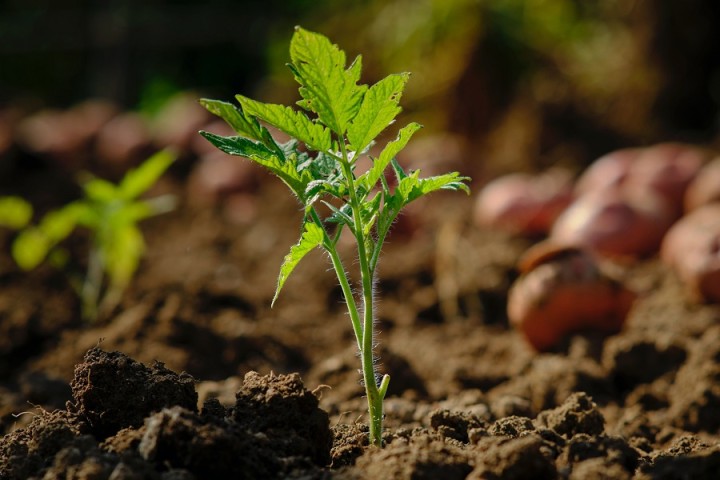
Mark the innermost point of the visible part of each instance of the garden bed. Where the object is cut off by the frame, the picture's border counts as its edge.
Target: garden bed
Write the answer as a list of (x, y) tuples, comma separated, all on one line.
[(165, 387)]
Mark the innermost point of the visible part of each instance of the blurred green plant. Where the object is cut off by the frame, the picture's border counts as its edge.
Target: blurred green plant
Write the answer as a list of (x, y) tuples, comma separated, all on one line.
[(15, 212), (111, 213)]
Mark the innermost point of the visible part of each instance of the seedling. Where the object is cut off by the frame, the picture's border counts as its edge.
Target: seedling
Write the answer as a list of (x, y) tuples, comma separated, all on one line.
[(111, 213), (338, 123)]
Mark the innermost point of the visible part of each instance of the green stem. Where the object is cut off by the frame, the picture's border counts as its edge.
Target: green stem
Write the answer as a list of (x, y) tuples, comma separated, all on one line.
[(329, 245), (90, 292), (374, 396)]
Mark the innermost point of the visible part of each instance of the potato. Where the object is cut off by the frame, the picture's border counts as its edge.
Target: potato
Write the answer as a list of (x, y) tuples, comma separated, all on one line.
[(665, 169), (523, 203), (617, 222), (705, 187), (218, 175), (562, 290), (607, 172), (692, 249), (668, 169)]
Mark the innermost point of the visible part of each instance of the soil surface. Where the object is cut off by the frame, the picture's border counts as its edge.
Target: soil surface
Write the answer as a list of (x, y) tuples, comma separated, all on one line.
[(195, 377)]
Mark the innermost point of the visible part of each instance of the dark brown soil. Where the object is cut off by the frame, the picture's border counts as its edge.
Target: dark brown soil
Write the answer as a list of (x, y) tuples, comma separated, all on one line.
[(276, 394)]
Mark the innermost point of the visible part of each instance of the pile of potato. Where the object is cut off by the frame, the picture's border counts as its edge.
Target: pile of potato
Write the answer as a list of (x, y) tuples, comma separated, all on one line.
[(628, 205)]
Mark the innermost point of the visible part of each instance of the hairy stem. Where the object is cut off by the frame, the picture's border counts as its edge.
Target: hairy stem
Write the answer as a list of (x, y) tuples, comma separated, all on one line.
[(329, 245), (374, 395)]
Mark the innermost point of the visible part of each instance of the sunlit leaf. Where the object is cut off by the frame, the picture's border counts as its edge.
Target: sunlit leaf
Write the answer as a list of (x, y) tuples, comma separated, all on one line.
[(100, 190), (121, 254), (370, 178), (327, 87), (286, 170), (235, 117), (30, 248), (15, 212), (412, 187), (137, 181), (378, 110), (292, 122), (312, 237)]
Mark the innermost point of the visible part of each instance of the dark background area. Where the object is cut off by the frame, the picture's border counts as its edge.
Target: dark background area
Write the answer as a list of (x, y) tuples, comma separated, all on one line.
[(529, 83)]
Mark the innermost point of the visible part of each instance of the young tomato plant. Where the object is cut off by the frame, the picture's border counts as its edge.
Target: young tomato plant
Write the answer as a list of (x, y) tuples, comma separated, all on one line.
[(339, 124), (111, 213)]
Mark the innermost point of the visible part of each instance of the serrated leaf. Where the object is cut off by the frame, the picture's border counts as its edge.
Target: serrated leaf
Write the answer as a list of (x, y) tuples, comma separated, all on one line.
[(327, 87), (312, 237), (15, 212), (341, 215), (378, 110), (370, 178), (286, 170), (412, 187), (294, 123), (324, 167), (138, 180), (318, 188), (243, 125)]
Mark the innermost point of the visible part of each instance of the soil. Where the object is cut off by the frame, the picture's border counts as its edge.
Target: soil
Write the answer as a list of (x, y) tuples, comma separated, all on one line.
[(195, 377)]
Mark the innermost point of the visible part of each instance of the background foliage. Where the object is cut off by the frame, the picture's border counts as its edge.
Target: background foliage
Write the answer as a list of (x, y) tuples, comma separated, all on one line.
[(566, 79)]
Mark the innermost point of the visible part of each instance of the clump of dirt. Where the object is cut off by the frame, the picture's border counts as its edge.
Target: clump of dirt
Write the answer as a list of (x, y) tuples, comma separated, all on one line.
[(275, 429), (129, 420), (111, 391)]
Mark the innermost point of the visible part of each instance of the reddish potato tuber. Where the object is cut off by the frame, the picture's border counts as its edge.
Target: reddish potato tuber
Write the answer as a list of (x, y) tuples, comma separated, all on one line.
[(561, 291), (615, 223), (705, 187), (692, 249), (64, 135), (522, 203), (123, 141), (668, 169), (665, 169), (217, 176), (607, 172), (178, 122)]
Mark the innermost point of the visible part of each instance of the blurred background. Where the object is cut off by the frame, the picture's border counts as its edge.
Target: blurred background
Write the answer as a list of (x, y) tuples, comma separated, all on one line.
[(511, 84)]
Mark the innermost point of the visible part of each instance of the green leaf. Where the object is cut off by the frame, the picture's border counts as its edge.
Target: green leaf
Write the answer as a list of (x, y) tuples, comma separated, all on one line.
[(341, 215), (235, 117), (30, 248), (412, 187), (33, 244), (243, 124), (312, 237), (323, 167), (139, 180), (121, 253), (286, 170), (294, 123), (15, 212), (100, 190), (318, 188), (370, 178), (378, 110), (59, 224), (327, 88)]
